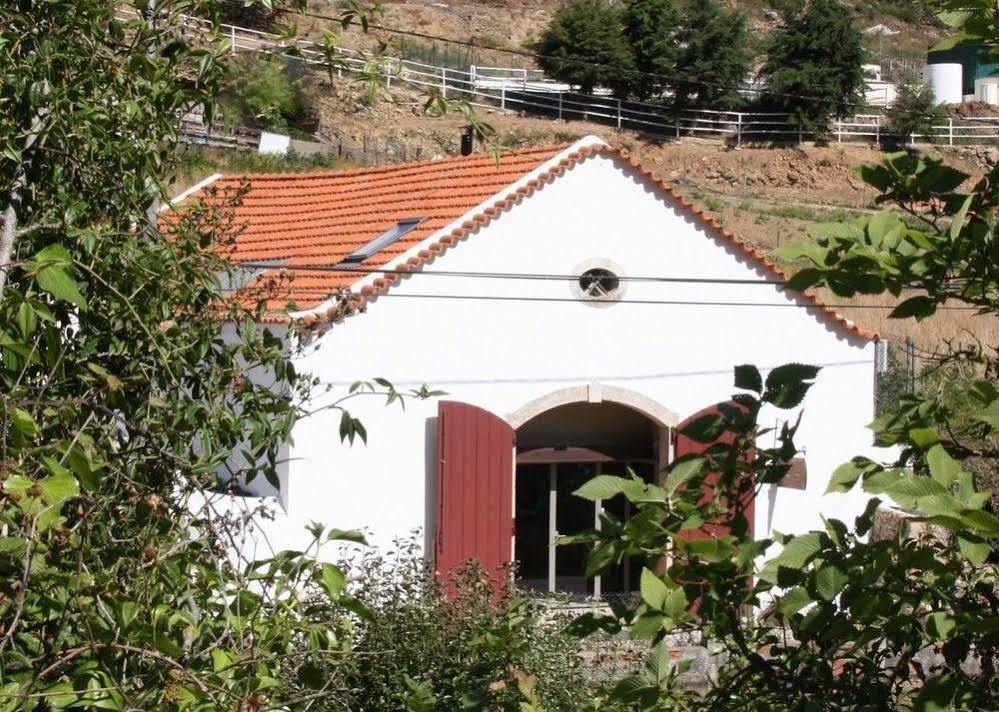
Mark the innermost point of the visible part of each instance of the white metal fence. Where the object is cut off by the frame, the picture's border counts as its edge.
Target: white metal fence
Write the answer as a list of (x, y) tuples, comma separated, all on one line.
[(529, 92)]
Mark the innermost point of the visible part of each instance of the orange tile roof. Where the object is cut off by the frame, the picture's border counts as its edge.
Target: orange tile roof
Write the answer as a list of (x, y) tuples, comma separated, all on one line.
[(319, 218)]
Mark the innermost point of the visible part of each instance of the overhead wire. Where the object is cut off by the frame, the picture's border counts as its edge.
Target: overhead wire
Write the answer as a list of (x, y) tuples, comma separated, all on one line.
[(654, 302), (515, 276), (501, 275)]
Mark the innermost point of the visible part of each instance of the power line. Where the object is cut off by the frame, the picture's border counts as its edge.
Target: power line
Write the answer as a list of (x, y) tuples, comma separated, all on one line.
[(532, 55), (502, 275), (653, 302), (519, 276)]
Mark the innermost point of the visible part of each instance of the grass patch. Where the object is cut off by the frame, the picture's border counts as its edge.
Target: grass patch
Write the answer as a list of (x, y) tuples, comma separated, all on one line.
[(196, 162)]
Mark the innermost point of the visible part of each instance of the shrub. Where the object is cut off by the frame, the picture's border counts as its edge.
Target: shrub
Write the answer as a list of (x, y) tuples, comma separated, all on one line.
[(267, 93), (462, 651), (915, 110)]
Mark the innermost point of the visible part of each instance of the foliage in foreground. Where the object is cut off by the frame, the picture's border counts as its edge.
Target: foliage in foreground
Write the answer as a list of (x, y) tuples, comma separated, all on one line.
[(120, 586), (845, 621), (474, 648)]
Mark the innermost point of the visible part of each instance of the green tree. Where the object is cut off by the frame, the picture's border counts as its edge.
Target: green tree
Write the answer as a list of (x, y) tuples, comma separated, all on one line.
[(713, 61), (584, 45), (651, 28), (120, 400), (813, 64), (914, 112)]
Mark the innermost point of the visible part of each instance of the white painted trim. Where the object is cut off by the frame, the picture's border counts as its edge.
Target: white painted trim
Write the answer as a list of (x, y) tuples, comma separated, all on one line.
[(465, 217), (180, 198)]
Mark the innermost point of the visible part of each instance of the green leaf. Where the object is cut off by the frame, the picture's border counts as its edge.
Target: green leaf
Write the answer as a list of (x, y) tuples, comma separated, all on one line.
[(333, 580), (799, 549), (846, 475), (676, 603), (985, 522), (936, 695), (748, 378), (60, 285), (647, 625), (57, 488), (973, 548), (654, 590), (601, 487), (924, 437), (874, 174), (221, 659), (52, 255), (829, 581), (681, 472), (787, 385), (804, 278), (919, 307), (990, 415), (23, 423), (793, 601), (354, 535), (940, 625), (943, 468), (957, 224)]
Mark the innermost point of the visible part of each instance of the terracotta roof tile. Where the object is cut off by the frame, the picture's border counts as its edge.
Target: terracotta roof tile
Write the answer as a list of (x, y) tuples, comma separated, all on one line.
[(319, 218)]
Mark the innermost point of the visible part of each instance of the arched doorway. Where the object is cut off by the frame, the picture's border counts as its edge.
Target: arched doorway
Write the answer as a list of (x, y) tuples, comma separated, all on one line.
[(557, 451)]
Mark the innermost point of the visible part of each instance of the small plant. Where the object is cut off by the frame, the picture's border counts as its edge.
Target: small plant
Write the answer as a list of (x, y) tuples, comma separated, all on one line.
[(713, 203), (914, 113), (472, 646), (266, 93)]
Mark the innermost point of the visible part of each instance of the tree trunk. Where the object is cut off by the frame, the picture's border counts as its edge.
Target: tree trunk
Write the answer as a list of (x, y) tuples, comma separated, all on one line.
[(9, 221)]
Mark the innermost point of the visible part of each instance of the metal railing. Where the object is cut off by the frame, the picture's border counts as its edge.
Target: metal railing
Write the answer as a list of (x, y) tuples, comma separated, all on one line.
[(527, 91)]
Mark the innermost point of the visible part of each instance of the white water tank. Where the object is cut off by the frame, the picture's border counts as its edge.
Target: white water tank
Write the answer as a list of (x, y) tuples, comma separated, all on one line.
[(946, 82), (987, 90)]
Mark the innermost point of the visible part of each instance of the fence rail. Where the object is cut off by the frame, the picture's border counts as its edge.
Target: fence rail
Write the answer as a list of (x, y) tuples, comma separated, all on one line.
[(528, 92)]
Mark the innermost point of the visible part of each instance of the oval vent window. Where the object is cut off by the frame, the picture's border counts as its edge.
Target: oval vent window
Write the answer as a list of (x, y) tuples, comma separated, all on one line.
[(599, 283)]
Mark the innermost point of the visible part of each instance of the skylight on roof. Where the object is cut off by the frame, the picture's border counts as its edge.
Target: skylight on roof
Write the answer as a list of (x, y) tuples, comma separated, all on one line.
[(387, 238)]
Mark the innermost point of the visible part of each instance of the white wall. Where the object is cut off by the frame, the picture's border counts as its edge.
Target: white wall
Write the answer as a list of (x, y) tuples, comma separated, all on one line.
[(501, 355)]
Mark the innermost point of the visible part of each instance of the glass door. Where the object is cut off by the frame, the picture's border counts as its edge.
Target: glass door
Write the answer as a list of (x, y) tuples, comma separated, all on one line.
[(573, 515)]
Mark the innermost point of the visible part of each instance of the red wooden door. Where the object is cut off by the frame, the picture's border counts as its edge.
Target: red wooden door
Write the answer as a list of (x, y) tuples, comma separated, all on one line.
[(474, 488), (687, 446)]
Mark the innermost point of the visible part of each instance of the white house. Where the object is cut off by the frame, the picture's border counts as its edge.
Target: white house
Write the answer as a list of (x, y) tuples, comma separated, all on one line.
[(573, 307)]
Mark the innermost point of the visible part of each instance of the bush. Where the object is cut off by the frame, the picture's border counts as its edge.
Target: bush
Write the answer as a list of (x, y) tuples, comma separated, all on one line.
[(269, 94), (915, 110), (423, 650), (580, 36)]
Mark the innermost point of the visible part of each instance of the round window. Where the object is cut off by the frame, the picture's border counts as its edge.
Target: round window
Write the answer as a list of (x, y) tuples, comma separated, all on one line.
[(599, 283)]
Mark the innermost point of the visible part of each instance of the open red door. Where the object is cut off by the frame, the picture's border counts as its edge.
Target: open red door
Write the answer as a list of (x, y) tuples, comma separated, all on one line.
[(687, 446), (474, 488)]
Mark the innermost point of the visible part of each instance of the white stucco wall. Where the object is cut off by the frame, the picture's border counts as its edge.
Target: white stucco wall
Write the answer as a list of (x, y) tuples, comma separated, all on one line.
[(501, 355)]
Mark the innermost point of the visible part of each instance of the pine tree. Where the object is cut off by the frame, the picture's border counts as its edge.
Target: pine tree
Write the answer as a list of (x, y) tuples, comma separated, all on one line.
[(651, 28), (813, 65), (714, 57), (584, 44)]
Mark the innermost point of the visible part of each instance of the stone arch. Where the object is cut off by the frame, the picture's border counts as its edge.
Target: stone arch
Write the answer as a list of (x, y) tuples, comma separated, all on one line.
[(595, 393)]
